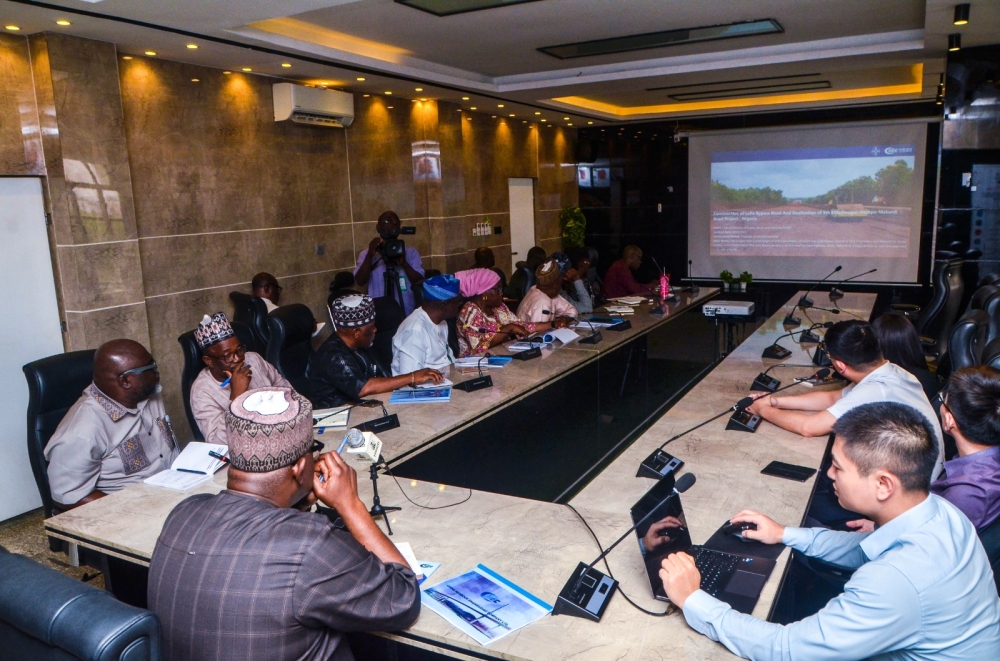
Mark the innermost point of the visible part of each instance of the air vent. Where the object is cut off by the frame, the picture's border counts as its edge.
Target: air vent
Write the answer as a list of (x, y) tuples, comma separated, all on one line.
[(728, 89), (661, 39), (449, 7)]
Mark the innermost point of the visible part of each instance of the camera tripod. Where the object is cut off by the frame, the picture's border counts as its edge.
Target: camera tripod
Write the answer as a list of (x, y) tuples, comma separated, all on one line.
[(391, 280)]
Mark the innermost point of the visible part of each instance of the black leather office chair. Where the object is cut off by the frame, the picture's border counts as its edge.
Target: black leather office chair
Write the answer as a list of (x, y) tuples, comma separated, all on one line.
[(935, 319), (966, 342), (193, 365), (990, 537), (990, 279), (54, 385), (48, 616), (527, 280), (991, 355), (987, 299), (252, 311), (291, 328), (453, 335), (388, 317)]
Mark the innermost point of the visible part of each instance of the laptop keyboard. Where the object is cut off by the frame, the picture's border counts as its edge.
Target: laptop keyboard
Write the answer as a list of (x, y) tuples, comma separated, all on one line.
[(716, 568)]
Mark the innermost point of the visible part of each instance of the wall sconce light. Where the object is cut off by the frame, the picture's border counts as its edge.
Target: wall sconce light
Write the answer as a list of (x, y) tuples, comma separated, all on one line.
[(962, 13), (954, 42)]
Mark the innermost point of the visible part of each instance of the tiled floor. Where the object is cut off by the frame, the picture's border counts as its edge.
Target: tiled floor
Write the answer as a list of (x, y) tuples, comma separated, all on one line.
[(25, 535)]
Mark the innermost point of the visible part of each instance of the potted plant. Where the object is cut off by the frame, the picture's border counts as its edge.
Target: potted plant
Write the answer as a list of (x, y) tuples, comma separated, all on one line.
[(727, 280), (574, 227), (745, 279)]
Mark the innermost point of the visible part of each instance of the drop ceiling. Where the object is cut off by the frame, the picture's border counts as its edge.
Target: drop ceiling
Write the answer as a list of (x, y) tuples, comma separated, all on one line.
[(830, 52)]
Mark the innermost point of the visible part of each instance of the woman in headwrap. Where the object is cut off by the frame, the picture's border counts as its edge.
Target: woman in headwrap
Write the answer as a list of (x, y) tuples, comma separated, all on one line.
[(485, 321)]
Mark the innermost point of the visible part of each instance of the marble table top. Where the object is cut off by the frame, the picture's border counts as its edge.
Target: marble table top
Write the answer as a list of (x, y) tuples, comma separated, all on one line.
[(536, 544)]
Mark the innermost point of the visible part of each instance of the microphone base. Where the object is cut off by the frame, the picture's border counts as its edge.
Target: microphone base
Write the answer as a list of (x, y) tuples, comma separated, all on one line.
[(590, 598), (809, 338), (593, 338), (658, 465), (791, 320), (477, 383), (379, 425), (805, 302), (776, 351), (765, 383), (836, 294), (821, 358), (622, 325), (743, 420), (528, 354)]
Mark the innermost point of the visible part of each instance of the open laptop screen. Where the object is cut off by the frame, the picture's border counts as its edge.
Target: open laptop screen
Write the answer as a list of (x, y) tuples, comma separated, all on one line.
[(663, 533)]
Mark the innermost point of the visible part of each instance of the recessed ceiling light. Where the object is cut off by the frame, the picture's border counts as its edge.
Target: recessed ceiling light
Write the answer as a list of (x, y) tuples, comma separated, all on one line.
[(512, 114), (247, 69), (493, 116), (389, 107), (360, 79), (12, 28), (367, 95), (126, 57), (570, 124), (537, 112), (465, 98), (590, 122), (388, 93), (227, 72), (545, 120), (418, 89), (472, 108), (499, 105), (286, 65), (458, 109), (566, 119), (63, 22), (524, 121), (193, 46), (151, 53), (423, 99), (195, 80)]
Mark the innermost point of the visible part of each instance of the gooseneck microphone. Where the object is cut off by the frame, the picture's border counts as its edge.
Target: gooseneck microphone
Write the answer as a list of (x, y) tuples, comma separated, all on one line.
[(588, 591), (836, 293), (693, 288), (805, 301), (779, 352), (354, 439)]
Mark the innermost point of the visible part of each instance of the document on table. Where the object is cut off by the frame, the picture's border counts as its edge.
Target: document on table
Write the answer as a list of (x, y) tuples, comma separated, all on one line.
[(630, 300), (475, 362), (195, 457), (564, 335), (446, 382), (176, 480), (336, 417), (483, 605)]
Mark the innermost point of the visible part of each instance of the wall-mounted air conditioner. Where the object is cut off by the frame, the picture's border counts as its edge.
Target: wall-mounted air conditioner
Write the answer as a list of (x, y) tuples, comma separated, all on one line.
[(312, 105)]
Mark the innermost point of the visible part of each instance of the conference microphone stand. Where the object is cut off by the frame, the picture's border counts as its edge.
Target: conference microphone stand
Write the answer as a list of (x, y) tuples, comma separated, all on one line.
[(805, 301), (693, 288), (588, 591), (378, 509), (653, 465), (779, 352), (837, 294)]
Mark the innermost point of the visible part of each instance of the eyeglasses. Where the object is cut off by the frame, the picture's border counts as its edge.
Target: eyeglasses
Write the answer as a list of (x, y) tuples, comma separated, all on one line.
[(316, 447), (228, 357), (140, 370)]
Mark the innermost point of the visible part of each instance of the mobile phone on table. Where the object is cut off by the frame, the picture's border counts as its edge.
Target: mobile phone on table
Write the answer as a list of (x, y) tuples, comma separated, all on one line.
[(788, 471)]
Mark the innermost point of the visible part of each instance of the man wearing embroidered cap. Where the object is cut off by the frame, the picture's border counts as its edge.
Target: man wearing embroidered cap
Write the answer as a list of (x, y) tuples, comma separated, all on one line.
[(230, 370), (344, 369), (543, 302), (422, 339), (248, 574)]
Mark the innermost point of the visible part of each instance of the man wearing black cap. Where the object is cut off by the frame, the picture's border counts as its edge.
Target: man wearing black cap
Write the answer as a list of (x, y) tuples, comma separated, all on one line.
[(242, 574), (344, 370)]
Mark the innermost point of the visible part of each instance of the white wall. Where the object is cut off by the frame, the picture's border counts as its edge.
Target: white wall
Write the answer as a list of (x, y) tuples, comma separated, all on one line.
[(29, 330)]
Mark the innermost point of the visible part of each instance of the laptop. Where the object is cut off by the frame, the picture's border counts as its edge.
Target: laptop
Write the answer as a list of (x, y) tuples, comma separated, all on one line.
[(732, 571)]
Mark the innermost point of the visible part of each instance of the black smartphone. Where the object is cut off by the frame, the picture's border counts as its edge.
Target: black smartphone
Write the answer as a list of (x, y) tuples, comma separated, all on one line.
[(788, 471)]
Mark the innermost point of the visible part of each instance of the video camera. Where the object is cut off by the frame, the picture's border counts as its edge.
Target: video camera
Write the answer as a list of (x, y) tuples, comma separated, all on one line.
[(392, 246)]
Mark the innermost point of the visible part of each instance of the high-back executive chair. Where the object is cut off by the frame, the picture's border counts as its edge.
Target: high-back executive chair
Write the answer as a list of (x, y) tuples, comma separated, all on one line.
[(291, 328)]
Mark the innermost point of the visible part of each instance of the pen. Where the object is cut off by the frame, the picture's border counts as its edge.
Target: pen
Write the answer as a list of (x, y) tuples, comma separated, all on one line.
[(226, 382), (188, 470), (221, 457)]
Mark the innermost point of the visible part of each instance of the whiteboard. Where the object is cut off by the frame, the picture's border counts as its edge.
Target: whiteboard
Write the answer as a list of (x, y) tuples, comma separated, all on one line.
[(29, 330)]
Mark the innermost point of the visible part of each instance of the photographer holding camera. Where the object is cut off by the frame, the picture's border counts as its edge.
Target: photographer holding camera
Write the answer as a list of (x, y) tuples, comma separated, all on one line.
[(388, 260)]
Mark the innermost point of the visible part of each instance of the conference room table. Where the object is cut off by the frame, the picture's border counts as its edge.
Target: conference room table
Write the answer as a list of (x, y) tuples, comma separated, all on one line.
[(536, 543)]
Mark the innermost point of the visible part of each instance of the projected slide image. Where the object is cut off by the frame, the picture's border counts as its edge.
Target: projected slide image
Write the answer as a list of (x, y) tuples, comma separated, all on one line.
[(831, 201)]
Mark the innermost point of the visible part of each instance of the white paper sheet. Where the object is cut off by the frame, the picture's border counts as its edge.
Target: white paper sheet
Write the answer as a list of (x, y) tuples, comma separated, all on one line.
[(176, 480)]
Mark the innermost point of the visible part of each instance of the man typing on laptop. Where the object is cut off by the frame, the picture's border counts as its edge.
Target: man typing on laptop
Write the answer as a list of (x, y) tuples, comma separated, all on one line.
[(923, 588)]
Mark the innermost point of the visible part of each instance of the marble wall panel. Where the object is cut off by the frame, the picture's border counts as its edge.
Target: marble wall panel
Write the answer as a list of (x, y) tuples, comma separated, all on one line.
[(557, 186), (454, 200), (99, 275), (89, 330), (182, 263), (547, 224), (20, 134), (210, 156), (381, 144), (495, 150), (91, 179)]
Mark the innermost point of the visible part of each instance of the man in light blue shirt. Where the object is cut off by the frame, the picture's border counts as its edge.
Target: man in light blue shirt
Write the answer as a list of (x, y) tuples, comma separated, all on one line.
[(923, 588)]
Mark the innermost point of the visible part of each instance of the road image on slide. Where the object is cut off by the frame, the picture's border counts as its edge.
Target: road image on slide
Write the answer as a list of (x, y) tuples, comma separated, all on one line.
[(818, 202)]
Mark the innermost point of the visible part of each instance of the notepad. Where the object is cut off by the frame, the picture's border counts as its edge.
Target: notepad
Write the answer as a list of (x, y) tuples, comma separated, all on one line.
[(629, 300), (196, 457), (474, 362), (176, 480), (421, 395), (334, 418)]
